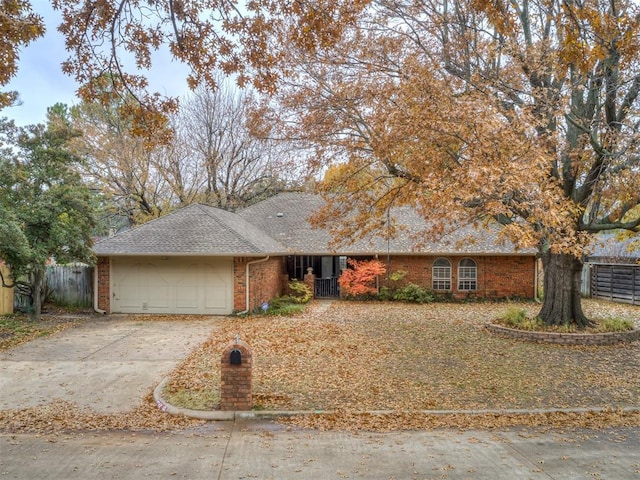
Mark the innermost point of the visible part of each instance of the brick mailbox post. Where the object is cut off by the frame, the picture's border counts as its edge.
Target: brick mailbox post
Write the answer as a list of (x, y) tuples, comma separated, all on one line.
[(235, 370)]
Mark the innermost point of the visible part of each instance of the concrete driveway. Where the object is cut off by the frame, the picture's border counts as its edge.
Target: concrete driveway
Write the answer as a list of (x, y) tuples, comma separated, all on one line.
[(107, 363)]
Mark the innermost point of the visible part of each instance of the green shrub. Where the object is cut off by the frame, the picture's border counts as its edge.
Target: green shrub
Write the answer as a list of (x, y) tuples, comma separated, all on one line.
[(565, 328), (412, 293), (385, 294), (285, 305), (279, 302), (285, 309), (300, 292), (513, 317), (615, 324), (397, 275), (517, 318)]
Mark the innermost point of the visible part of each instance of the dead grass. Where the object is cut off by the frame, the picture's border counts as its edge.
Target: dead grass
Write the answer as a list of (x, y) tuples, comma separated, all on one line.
[(353, 356), (16, 329)]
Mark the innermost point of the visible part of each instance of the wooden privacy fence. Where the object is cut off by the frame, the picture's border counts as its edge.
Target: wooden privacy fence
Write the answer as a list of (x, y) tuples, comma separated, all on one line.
[(619, 283), (6, 294), (69, 285), (585, 284)]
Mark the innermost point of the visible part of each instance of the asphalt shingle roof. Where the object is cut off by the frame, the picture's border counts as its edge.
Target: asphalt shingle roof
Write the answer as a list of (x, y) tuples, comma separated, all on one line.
[(285, 218), (279, 226), (607, 246), (192, 230)]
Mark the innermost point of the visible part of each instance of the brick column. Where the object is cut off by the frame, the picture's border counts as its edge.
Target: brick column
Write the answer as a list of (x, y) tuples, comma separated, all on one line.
[(235, 381), (310, 281), (104, 289)]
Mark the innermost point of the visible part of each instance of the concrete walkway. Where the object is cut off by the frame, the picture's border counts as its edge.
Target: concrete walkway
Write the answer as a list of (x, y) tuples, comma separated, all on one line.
[(107, 363), (225, 451)]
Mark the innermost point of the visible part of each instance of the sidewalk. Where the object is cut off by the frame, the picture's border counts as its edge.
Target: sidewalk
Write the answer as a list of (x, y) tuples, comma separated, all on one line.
[(260, 450)]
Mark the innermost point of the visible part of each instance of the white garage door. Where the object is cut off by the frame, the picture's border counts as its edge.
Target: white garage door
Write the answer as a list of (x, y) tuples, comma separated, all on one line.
[(172, 285)]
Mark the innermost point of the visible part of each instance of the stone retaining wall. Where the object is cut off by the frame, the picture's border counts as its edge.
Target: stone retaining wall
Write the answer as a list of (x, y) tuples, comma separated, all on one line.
[(566, 338)]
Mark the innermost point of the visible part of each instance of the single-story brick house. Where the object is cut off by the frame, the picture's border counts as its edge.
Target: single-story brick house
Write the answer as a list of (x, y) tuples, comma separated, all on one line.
[(203, 260)]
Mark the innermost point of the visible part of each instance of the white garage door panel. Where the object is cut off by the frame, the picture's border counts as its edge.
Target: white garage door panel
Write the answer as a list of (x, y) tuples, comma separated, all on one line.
[(131, 296), (174, 285), (158, 289), (187, 289), (216, 292)]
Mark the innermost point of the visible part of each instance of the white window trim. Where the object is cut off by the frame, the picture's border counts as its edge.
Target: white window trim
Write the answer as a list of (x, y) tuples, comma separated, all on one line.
[(466, 278), (439, 279)]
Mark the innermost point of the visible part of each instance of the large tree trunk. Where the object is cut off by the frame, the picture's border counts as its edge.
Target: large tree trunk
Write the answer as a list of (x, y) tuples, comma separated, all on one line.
[(562, 302), (37, 280)]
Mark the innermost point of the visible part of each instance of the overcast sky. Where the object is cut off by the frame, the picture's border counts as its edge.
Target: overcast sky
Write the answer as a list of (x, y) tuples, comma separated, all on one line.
[(41, 83)]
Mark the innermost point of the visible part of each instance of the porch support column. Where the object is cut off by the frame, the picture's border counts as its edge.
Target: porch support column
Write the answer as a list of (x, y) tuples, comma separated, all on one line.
[(310, 280)]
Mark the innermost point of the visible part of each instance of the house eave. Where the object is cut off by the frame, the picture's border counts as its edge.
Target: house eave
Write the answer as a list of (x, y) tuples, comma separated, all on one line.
[(187, 254), (369, 253)]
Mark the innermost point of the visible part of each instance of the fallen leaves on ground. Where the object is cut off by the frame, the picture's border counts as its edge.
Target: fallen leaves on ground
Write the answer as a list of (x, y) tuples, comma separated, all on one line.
[(389, 422), (359, 356), (61, 416), (352, 357), (16, 329)]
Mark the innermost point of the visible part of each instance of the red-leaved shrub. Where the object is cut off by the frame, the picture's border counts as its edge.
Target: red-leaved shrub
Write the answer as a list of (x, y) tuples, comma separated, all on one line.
[(360, 279)]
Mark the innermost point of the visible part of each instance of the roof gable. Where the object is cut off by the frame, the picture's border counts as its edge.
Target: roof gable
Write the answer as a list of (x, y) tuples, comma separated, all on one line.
[(192, 230)]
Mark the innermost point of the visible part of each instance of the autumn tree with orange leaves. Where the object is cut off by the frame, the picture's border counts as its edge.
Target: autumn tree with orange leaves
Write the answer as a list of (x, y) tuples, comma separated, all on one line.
[(524, 113)]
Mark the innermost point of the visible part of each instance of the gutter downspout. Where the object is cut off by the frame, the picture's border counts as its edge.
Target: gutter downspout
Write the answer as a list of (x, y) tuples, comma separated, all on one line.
[(246, 284), (95, 292)]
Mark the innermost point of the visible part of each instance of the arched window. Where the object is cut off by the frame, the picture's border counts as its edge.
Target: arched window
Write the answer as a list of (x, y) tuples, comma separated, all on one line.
[(467, 274), (441, 274)]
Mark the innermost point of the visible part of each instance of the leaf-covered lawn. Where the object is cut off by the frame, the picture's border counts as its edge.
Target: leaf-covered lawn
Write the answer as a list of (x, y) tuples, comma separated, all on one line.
[(17, 328), (352, 356)]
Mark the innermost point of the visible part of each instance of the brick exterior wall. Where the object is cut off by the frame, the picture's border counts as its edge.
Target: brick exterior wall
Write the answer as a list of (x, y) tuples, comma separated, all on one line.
[(310, 281), (104, 269), (497, 276), (265, 282)]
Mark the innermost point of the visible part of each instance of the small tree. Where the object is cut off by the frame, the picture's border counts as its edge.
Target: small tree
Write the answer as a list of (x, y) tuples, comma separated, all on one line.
[(45, 209), (360, 279)]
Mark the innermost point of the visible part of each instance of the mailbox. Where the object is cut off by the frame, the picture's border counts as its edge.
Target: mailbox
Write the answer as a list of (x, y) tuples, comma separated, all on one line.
[(235, 357)]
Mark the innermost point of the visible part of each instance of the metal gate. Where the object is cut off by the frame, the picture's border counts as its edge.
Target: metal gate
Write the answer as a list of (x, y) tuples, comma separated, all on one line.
[(327, 287)]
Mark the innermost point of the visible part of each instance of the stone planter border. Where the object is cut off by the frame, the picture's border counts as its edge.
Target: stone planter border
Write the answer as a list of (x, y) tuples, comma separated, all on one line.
[(594, 339)]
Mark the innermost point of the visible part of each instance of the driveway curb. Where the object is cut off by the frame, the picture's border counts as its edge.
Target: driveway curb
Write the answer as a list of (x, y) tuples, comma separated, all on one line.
[(219, 415)]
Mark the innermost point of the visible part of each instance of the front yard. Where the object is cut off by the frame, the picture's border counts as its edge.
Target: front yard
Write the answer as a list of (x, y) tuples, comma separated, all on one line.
[(354, 356)]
